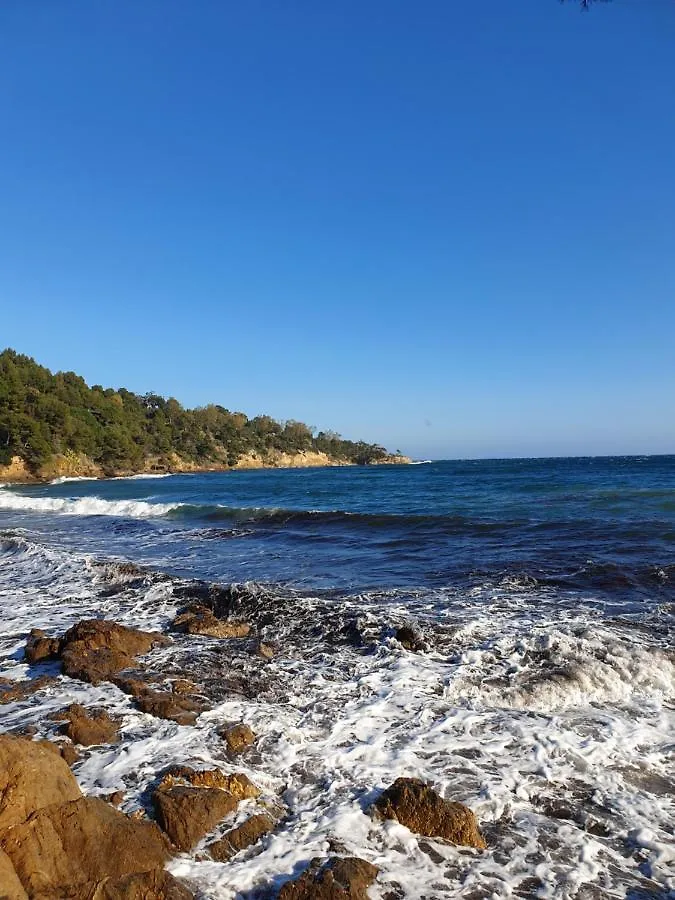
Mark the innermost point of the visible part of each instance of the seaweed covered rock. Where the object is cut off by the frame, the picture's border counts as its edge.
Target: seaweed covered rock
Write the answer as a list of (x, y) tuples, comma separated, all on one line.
[(31, 776), (416, 805), (335, 879)]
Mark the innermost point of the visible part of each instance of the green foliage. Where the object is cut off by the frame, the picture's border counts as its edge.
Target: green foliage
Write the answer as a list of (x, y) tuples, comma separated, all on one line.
[(42, 414)]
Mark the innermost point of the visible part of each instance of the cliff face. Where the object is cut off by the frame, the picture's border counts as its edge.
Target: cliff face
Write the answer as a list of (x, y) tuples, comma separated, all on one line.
[(74, 465)]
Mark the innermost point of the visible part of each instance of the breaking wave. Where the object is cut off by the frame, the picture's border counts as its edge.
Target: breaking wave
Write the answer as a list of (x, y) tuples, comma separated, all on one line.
[(85, 506)]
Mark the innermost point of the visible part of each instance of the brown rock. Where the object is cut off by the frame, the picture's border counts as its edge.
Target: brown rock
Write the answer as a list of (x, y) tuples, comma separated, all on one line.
[(336, 879), (135, 683), (10, 886), (170, 706), (115, 799), (94, 650), (82, 841), (237, 737), (40, 648), (199, 620), (188, 813), (239, 785), (31, 776), (241, 837), (264, 650), (90, 728), (65, 749), (13, 691), (417, 806), (182, 686), (154, 885)]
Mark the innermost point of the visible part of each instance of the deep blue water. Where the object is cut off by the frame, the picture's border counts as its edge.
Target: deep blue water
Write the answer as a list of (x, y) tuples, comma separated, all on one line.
[(602, 526)]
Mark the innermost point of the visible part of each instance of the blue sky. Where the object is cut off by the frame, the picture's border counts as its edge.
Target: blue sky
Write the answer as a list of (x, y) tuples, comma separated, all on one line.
[(449, 227)]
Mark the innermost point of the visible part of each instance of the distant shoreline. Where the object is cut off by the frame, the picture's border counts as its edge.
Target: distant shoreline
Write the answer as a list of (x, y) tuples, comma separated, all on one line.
[(67, 468)]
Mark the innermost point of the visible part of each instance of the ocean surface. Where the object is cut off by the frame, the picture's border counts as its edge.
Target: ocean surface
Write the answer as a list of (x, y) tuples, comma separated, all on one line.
[(540, 690)]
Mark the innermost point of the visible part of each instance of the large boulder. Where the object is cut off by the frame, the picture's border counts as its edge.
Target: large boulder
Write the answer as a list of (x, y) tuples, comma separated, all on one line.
[(334, 879), (188, 813), (244, 835), (154, 885), (10, 886), (94, 649), (89, 728), (416, 805), (31, 776), (81, 842)]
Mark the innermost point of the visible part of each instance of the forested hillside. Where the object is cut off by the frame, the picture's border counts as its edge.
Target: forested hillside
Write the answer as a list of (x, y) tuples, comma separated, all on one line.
[(45, 415)]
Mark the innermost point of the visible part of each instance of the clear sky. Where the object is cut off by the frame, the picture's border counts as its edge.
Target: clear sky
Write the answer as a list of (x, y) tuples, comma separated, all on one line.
[(447, 226)]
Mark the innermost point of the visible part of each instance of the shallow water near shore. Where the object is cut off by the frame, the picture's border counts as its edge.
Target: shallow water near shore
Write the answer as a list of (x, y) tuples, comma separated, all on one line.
[(541, 692)]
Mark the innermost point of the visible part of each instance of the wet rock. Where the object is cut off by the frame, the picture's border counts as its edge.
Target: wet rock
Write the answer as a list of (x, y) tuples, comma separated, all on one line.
[(78, 842), (135, 683), (199, 620), (31, 776), (10, 886), (154, 885), (114, 799), (264, 650), (242, 836), (65, 749), (178, 709), (94, 650), (417, 806), (336, 879), (237, 737), (90, 729), (40, 648), (13, 691), (409, 638), (182, 686), (186, 814), (239, 785)]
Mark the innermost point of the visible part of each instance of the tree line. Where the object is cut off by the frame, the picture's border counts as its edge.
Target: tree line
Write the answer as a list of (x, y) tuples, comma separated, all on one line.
[(44, 414)]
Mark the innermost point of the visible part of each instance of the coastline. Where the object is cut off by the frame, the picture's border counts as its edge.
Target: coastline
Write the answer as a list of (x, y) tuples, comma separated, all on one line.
[(72, 465)]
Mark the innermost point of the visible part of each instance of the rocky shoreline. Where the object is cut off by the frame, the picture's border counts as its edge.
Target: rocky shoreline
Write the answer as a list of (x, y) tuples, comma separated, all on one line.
[(57, 843), (79, 466)]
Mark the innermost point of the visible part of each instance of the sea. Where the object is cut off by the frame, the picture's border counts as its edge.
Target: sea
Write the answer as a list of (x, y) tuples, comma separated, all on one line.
[(502, 629)]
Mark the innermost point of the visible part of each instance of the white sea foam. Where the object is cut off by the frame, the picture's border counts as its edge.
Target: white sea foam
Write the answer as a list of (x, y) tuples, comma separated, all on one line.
[(63, 479), (85, 506), (469, 715)]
